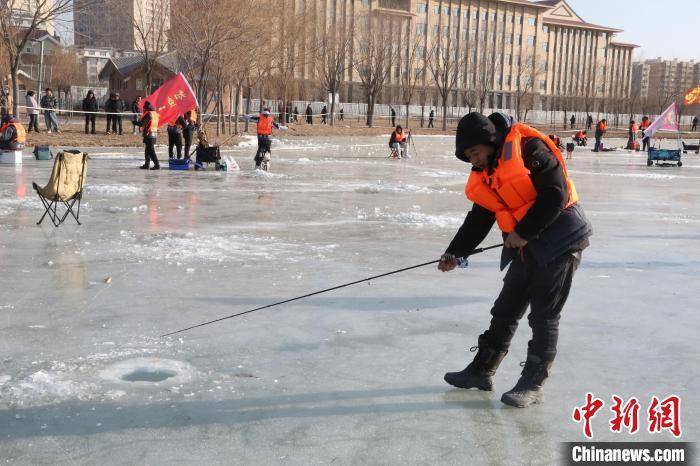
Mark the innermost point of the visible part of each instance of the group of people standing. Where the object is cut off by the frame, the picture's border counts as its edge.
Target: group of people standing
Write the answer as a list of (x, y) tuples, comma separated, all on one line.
[(49, 104), (114, 106)]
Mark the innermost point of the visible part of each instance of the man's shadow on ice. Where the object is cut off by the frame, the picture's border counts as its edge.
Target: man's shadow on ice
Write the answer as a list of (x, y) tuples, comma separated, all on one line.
[(80, 418)]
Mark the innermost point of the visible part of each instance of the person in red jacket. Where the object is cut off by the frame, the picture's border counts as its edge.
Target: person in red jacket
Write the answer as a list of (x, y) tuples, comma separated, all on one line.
[(397, 143)]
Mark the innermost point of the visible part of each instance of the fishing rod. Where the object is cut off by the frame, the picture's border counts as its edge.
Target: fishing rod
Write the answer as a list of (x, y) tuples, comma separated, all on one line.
[(476, 251)]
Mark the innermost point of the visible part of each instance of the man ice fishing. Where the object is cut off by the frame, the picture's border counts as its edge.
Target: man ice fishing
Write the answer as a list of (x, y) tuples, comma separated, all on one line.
[(519, 181)]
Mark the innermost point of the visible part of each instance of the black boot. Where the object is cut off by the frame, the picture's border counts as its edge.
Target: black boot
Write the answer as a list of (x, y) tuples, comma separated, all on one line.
[(479, 374), (528, 390)]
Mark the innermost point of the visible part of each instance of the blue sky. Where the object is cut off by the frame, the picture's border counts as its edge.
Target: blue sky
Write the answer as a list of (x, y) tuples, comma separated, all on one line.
[(668, 29)]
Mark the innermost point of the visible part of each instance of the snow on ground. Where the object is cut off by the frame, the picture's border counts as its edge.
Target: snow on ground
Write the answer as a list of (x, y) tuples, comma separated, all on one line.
[(352, 376)]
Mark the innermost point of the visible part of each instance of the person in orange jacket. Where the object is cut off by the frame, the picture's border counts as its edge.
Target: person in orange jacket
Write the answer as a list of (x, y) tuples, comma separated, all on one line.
[(645, 123), (600, 130), (149, 128), (518, 180)]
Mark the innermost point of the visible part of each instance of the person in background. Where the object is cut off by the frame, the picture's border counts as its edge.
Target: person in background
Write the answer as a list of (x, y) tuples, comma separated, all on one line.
[(581, 138), (6, 100), (397, 143), (632, 135), (643, 125), (324, 115), (600, 130), (189, 129), (32, 111), (149, 128), (12, 134), (175, 131), (49, 104), (136, 111), (342, 114), (393, 116), (264, 129), (572, 121), (431, 117), (90, 106), (296, 114), (309, 115), (114, 106), (589, 122), (695, 124)]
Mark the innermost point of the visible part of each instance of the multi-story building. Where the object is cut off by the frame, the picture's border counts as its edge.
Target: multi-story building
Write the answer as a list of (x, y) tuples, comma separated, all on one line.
[(502, 48), (122, 24), (658, 81)]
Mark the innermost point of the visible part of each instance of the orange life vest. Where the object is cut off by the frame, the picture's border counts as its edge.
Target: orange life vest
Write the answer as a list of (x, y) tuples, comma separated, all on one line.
[(601, 127), (634, 128), (193, 116), (644, 124), (508, 190), (20, 134), (151, 129), (400, 137), (579, 135), (264, 125)]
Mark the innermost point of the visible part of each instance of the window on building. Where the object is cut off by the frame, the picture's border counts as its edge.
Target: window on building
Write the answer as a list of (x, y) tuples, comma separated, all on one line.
[(486, 15), (446, 10), (545, 47), (519, 39), (531, 21), (436, 9), (455, 11), (418, 73), (365, 2), (436, 30), (446, 31), (422, 8), (420, 51), (528, 61), (516, 60), (543, 84), (518, 19), (509, 39), (530, 41), (545, 29), (421, 29), (465, 13)]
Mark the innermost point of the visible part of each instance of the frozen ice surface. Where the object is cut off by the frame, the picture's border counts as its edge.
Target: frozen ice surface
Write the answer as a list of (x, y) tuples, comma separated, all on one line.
[(349, 377)]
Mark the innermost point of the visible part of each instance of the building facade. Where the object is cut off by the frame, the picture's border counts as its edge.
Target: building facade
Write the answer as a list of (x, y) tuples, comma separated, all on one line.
[(121, 24), (502, 49), (657, 81)]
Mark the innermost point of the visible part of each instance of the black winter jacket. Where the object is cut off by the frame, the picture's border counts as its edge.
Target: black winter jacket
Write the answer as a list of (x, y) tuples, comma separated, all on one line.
[(549, 227), (115, 106), (90, 104)]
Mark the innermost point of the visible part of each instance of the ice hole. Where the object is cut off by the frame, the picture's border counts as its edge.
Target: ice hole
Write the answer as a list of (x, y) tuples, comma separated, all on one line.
[(148, 374)]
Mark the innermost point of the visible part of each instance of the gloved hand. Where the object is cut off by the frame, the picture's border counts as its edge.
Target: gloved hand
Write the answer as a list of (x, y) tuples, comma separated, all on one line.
[(450, 261)]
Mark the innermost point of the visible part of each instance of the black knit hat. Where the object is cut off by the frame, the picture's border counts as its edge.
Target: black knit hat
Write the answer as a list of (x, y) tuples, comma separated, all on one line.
[(474, 128)]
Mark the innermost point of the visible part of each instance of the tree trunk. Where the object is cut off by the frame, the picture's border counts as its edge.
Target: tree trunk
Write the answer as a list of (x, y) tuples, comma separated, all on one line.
[(370, 111), (247, 108), (333, 108), (407, 104), (230, 108), (15, 91), (239, 92), (444, 113)]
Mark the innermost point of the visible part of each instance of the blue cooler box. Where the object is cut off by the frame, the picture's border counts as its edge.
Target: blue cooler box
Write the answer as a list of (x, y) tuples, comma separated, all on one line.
[(179, 164)]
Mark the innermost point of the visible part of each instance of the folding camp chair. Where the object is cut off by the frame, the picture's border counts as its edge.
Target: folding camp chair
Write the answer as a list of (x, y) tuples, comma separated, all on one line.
[(64, 187)]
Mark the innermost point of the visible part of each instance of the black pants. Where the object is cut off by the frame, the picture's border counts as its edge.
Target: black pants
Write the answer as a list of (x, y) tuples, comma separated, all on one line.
[(174, 141), (645, 143), (264, 145), (695, 127), (187, 135), (150, 151), (33, 123), (89, 120), (115, 121), (545, 290), (430, 123)]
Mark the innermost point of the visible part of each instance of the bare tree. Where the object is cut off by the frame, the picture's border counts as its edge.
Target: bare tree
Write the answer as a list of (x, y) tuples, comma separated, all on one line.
[(526, 74), (444, 64), (411, 74), (199, 42), (151, 26), (19, 20), (373, 61), (332, 63), (485, 74)]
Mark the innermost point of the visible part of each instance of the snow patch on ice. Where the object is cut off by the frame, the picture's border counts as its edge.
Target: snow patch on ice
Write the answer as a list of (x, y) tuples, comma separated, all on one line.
[(262, 174), (48, 386), (114, 189), (10, 205), (418, 219), (381, 187), (248, 141)]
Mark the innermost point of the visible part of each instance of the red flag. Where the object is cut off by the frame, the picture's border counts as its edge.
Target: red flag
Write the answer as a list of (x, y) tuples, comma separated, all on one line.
[(172, 99), (692, 96)]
